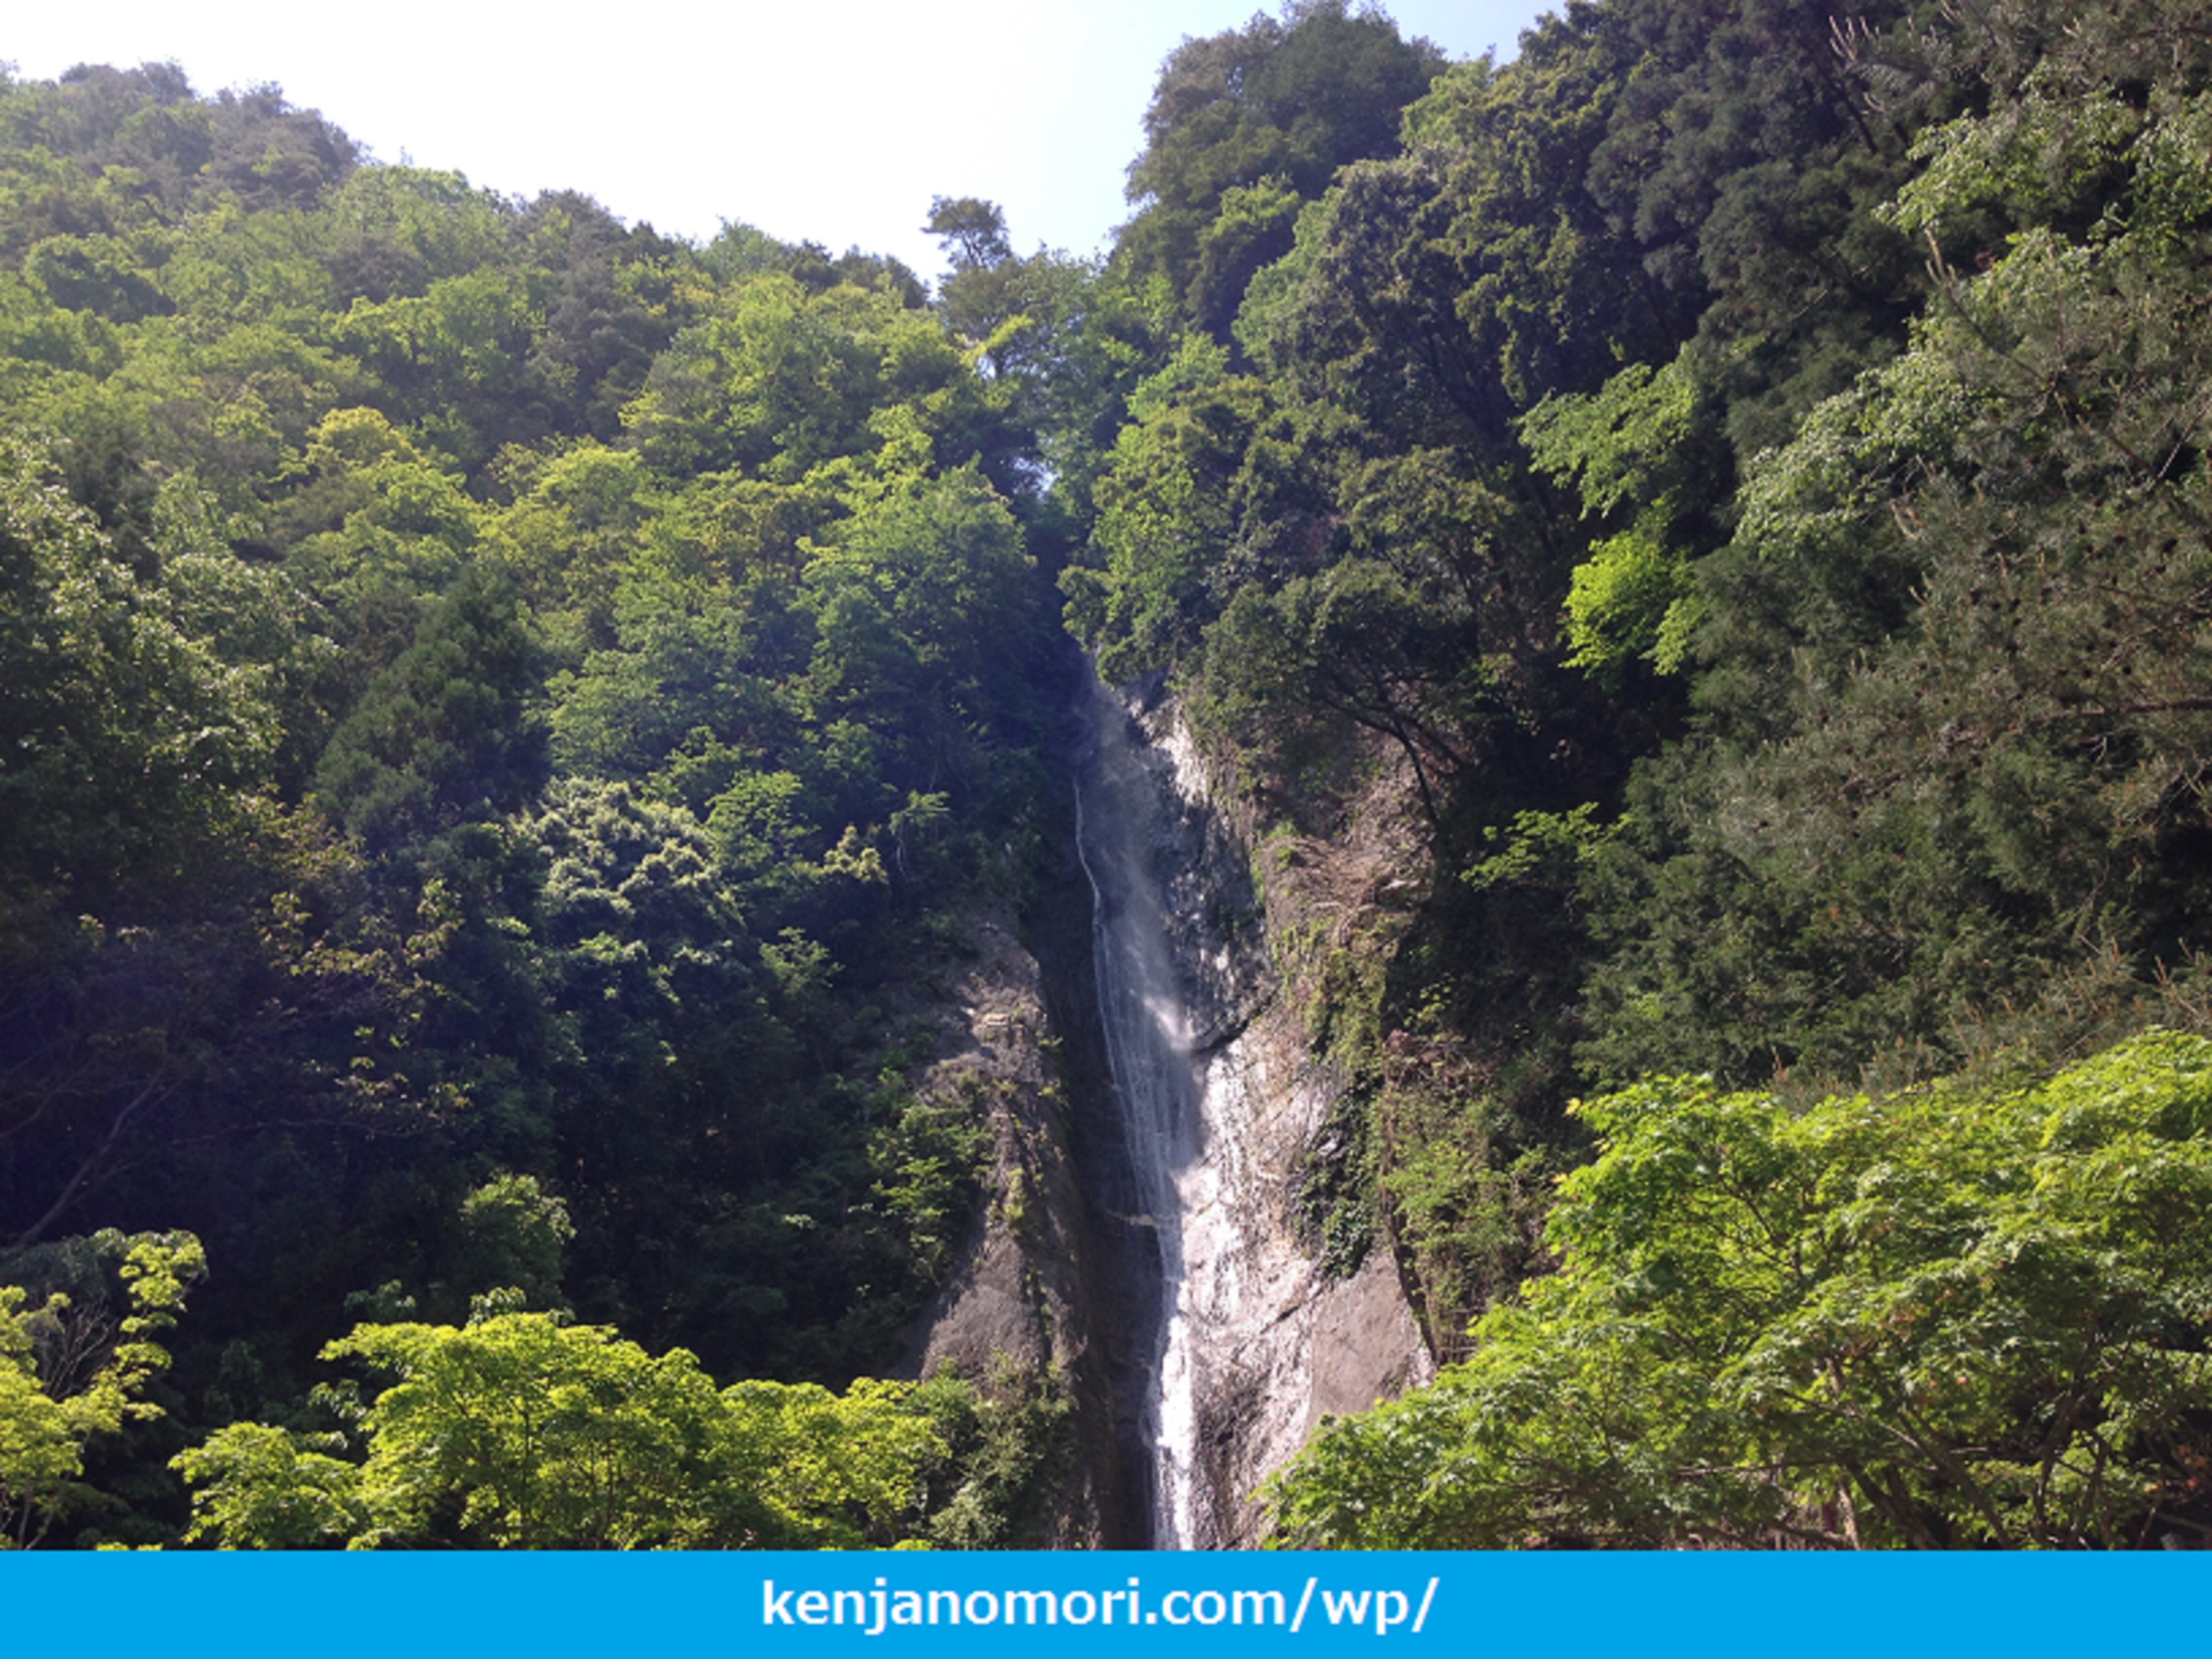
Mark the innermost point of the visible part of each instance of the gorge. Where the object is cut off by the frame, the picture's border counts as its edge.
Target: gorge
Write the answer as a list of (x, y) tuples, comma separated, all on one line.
[(1146, 1234), (1220, 1104), (1652, 600)]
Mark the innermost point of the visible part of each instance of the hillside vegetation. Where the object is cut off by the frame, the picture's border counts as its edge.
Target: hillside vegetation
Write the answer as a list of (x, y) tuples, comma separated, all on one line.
[(505, 716)]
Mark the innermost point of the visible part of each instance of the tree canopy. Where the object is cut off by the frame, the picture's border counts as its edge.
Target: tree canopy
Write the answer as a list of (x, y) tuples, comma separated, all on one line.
[(1959, 1317), (1684, 551), (518, 1430)]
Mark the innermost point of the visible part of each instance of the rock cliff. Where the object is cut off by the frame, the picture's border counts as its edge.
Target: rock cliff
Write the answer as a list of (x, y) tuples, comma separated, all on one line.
[(1144, 1237)]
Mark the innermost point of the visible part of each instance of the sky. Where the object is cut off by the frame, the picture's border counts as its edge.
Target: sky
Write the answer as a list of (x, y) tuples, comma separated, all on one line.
[(832, 121)]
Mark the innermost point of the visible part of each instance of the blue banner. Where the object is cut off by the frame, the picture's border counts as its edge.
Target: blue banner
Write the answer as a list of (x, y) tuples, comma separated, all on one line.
[(551, 1605)]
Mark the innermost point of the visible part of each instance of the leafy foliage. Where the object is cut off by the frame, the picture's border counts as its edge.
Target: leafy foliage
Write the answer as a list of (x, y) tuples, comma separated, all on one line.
[(1963, 1315), (70, 1370), (1245, 125), (1954, 751), (500, 710), (520, 1431), (486, 692)]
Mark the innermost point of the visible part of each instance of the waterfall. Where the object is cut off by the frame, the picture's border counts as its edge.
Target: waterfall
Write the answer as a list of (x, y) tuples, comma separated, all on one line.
[(1157, 1079), (1220, 1102)]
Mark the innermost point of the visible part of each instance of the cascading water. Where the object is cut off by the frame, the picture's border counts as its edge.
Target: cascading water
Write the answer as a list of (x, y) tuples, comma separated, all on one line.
[(1220, 1102), (1157, 1079)]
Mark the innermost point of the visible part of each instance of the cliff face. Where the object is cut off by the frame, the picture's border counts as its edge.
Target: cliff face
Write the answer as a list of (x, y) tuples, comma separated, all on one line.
[(1054, 1283), (1015, 1312), (1276, 1339), (1143, 1237)]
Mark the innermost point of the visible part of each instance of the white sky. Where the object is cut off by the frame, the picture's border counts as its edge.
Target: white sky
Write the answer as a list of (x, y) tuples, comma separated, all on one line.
[(832, 121)]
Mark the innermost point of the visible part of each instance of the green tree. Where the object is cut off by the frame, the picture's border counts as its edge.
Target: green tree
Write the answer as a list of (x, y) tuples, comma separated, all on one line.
[(1167, 514), (780, 378), (1246, 124), (1944, 794), (514, 1237), (376, 511), (68, 1374), (923, 603), (445, 736), (134, 713), (1968, 1315), (518, 1431), (574, 532)]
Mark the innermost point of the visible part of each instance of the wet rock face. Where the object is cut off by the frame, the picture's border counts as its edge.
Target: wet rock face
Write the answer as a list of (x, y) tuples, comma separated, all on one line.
[(1224, 1101), (1012, 1294), (1154, 1100), (1052, 1278), (1024, 1301)]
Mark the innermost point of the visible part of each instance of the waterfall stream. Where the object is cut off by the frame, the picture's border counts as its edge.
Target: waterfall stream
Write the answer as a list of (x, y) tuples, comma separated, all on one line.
[(1244, 1339), (1157, 1079)]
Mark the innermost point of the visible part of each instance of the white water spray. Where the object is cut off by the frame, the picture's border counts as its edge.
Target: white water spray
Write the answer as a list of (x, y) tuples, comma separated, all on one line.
[(1221, 1101), (1156, 1078)]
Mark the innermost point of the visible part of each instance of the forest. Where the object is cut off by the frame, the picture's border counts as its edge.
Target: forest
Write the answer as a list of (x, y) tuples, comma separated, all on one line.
[(510, 723)]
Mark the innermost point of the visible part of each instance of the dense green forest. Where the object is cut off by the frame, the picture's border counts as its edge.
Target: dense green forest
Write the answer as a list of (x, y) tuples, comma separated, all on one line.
[(504, 715)]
